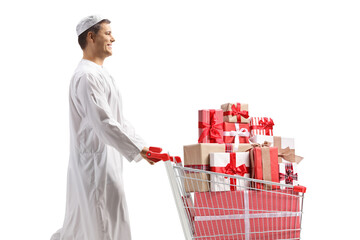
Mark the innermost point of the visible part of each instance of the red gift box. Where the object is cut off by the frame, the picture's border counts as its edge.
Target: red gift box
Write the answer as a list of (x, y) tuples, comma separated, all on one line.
[(247, 215), (236, 132), (210, 126), (264, 165)]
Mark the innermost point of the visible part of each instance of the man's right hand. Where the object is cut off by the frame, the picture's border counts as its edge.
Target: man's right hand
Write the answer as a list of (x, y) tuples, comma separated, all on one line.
[(143, 154)]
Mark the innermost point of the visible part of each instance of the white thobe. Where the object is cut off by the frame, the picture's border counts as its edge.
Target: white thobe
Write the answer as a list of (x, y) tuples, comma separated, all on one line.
[(96, 208)]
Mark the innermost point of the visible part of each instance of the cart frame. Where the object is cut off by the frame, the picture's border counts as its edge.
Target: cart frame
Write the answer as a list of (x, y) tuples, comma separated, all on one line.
[(175, 172)]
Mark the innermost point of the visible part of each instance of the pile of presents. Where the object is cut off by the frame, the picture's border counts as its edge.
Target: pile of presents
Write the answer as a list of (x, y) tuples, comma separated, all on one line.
[(231, 142)]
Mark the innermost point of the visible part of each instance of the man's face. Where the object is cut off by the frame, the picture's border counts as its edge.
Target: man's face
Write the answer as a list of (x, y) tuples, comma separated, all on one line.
[(103, 41)]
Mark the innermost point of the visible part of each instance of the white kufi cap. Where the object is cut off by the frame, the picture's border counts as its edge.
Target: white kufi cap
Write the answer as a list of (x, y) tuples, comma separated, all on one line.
[(87, 23)]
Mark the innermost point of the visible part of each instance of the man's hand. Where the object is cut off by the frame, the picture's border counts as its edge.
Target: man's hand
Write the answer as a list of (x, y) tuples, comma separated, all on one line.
[(143, 154)]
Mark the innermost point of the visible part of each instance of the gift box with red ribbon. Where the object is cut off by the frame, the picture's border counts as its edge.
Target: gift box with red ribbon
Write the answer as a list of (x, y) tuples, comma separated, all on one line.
[(237, 164), (286, 147), (236, 132), (264, 165), (210, 126), (261, 126), (197, 156), (248, 214), (288, 173), (235, 112)]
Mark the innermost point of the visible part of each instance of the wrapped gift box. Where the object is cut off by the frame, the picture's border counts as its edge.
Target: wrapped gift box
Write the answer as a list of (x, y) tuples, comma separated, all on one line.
[(236, 132), (229, 163), (247, 214), (264, 165), (261, 126), (288, 173), (235, 112), (210, 126), (286, 147), (198, 156)]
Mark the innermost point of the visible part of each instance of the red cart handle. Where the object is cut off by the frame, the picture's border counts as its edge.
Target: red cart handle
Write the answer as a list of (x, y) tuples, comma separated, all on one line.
[(299, 188), (175, 159), (155, 155), (155, 149)]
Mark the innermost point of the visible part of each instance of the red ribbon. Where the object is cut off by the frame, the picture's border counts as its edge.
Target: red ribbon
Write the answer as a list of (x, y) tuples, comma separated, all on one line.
[(289, 175), (266, 124), (213, 129), (228, 148), (231, 169), (236, 111)]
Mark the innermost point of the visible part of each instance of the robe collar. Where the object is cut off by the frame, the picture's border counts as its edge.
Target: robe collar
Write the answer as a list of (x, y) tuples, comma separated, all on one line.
[(92, 63)]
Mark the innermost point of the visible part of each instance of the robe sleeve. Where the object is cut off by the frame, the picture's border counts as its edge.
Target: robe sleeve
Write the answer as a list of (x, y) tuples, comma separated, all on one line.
[(131, 131), (98, 114)]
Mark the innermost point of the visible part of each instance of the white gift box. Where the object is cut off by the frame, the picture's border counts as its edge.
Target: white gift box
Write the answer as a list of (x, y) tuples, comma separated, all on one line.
[(288, 174), (237, 164)]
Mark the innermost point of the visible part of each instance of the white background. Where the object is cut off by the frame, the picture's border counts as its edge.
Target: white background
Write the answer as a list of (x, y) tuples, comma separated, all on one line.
[(295, 61)]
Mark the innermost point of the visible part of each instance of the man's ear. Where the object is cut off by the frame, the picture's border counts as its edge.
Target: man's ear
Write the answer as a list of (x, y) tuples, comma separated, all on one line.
[(91, 36)]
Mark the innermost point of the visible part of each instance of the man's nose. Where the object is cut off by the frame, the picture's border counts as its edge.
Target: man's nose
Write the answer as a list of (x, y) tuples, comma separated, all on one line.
[(112, 39)]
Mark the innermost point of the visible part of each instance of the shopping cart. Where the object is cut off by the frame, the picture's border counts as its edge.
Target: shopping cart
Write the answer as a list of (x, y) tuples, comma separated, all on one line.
[(252, 209)]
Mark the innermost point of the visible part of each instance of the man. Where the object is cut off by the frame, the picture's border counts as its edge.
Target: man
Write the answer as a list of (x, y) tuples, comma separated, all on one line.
[(99, 137)]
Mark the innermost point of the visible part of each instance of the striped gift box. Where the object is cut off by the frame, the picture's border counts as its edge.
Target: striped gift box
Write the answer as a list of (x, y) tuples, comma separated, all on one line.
[(261, 126), (210, 126)]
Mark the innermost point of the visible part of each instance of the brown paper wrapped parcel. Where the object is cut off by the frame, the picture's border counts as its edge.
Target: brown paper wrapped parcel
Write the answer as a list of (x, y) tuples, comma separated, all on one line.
[(198, 156)]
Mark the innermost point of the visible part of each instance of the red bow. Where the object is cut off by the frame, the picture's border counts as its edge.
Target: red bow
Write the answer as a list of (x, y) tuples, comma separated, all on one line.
[(289, 175), (266, 123), (213, 129), (236, 110), (232, 170)]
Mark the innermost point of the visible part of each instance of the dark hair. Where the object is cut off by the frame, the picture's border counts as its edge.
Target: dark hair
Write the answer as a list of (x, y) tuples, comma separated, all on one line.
[(95, 29)]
